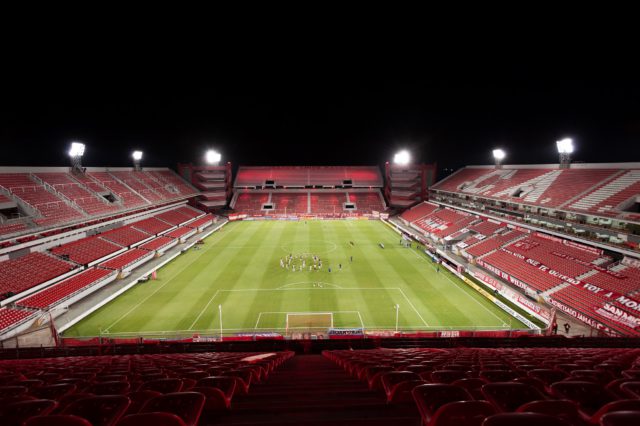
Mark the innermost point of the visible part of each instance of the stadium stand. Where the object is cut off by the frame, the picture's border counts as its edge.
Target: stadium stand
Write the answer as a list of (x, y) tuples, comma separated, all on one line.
[(130, 178), (10, 228), (129, 197), (179, 232), (250, 203), (65, 289), (68, 187), (605, 190), (152, 225), (201, 222), (174, 181), (367, 202), (10, 317), (86, 250), (418, 212), (20, 274), (84, 387), (125, 236), (128, 258), (157, 243), (174, 217), (53, 210), (364, 176), (290, 203)]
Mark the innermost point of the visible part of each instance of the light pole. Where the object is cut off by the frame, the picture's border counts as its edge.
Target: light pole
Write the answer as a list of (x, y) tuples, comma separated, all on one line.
[(76, 152), (137, 158), (565, 149), (402, 158), (212, 157), (498, 156)]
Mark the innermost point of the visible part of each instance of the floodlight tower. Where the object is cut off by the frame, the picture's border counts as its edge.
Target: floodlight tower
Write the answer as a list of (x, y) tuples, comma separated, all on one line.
[(75, 153), (213, 157), (498, 156), (565, 149), (137, 158)]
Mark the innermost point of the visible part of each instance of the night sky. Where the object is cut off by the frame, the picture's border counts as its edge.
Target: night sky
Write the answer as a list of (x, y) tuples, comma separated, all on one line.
[(310, 107)]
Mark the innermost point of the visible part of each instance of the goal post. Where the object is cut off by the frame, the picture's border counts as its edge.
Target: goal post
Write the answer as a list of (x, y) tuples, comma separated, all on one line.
[(309, 321)]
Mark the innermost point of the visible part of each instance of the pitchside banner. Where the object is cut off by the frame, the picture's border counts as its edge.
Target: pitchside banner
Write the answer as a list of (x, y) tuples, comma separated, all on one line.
[(346, 332)]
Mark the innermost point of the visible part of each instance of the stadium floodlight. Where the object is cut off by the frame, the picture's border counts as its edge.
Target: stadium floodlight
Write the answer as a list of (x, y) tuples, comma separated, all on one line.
[(76, 152), (565, 146), (402, 158), (498, 156), (565, 149), (137, 158), (213, 157)]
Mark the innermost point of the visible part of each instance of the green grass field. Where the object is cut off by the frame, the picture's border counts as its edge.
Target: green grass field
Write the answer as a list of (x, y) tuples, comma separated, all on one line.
[(239, 269)]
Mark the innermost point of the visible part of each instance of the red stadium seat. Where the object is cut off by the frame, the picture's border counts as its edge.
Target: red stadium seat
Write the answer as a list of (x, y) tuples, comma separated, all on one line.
[(16, 413), (523, 419), (226, 384), (430, 397), (103, 410), (632, 389), (163, 385), (58, 420), (589, 396), (186, 405), (151, 419), (462, 413), (110, 388), (620, 405), (138, 399), (621, 418), (509, 396), (561, 408)]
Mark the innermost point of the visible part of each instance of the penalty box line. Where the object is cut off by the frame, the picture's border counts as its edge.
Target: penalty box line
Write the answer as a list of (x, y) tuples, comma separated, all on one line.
[(315, 288), (304, 313)]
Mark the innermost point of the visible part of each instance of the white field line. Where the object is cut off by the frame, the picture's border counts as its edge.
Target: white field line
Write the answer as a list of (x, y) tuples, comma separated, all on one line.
[(361, 322), (204, 309), (413, 307), (258, 321), (217, 330), (463, 291), (168, 281)]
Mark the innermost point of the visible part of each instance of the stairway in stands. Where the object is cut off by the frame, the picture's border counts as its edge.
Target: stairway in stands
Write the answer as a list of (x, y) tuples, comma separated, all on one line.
[(311, 390)]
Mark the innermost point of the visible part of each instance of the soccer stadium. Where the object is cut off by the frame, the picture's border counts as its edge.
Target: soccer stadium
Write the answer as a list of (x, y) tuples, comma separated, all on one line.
[(216, 294)]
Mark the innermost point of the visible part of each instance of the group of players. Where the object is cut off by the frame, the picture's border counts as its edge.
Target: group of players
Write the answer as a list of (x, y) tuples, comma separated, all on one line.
[(289, 262)]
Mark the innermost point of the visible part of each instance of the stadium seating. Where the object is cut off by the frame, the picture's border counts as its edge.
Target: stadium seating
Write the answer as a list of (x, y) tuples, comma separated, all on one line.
[(200, 222), (521, 270), (10, 317), (152, 226), (170, 178), (327, 203), (129, 197), (130, 179), (53, 209), (126, 259), (174, 217), (366, 202), (65, 289), (419, 211), (86, 250), (66, 185), (20, 274), (493, 243), (179, 232), (91, 388), (125, 236), (302, 176), (601, 191), (10, 228), (157, 243), (290, 203)]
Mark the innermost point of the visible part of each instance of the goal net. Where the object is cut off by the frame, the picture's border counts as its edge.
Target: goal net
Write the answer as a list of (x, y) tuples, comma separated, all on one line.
[(309, 321)]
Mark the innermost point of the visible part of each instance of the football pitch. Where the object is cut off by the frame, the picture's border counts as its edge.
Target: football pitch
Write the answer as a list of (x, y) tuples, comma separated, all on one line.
[(237, 273)]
